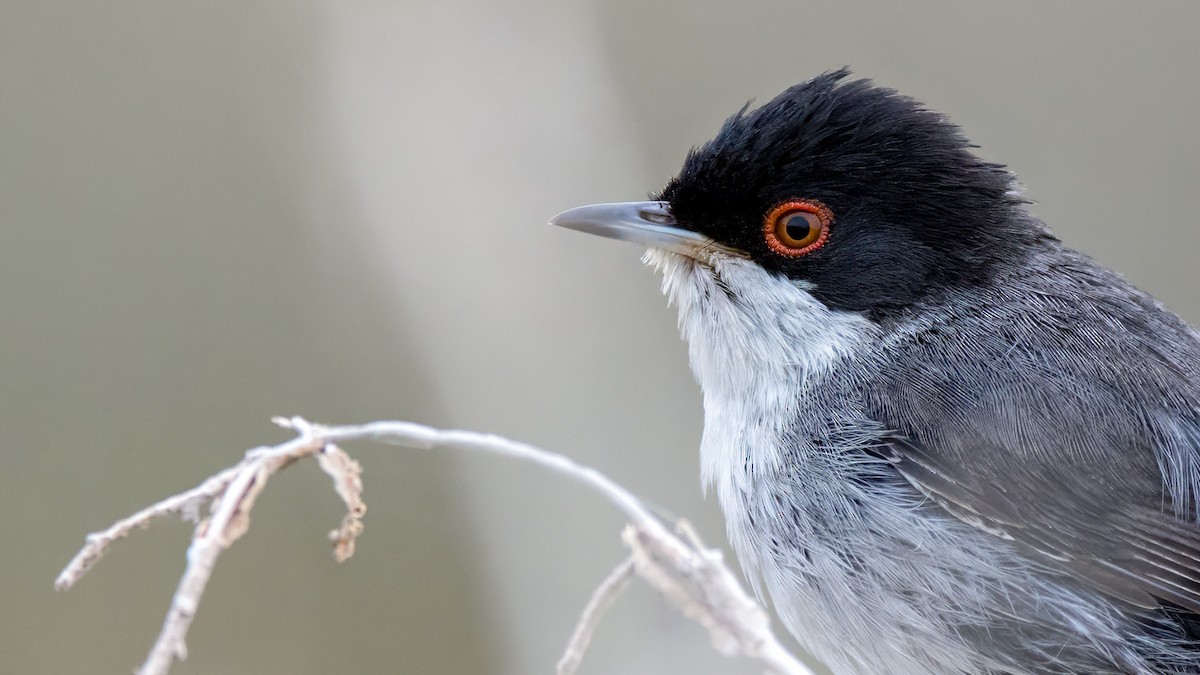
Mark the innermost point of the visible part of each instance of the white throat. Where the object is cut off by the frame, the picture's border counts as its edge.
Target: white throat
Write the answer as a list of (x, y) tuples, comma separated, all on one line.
[(756, 341)]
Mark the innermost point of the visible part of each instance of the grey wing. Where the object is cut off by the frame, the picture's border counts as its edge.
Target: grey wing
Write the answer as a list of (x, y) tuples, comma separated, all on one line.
[(1131, 552), (1086, 454), (1059, 408)]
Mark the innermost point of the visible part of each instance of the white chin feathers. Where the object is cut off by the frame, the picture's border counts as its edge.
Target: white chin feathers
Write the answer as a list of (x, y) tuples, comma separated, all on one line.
[(744, 312), (756, 340)]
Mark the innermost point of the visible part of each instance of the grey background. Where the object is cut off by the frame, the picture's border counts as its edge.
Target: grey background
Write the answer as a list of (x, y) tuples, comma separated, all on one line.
[(214, 212)]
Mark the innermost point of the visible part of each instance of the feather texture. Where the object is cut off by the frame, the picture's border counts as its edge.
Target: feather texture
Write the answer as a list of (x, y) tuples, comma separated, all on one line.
[(943, 441)]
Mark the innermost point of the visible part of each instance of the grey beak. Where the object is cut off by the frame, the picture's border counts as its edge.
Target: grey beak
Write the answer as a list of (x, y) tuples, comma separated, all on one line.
[(647, 223)]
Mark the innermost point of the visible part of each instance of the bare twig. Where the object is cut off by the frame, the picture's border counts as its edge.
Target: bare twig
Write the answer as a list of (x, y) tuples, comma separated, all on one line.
[(187, 505), (691, 576), (602, 599)]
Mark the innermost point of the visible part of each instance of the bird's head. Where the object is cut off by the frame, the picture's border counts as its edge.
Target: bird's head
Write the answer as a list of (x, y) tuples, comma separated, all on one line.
[(860, 196)]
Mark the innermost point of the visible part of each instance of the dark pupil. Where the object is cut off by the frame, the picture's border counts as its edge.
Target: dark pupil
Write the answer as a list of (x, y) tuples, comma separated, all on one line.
[(798, 227)]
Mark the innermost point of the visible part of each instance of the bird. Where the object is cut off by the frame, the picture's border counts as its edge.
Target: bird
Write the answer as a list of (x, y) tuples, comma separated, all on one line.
[(943, 440)]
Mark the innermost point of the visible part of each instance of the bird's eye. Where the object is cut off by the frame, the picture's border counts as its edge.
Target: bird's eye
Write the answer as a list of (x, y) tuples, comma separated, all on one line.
[(797, 227)]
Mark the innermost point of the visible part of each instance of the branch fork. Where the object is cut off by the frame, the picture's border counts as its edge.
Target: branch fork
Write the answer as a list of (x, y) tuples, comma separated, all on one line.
[(692, 577)]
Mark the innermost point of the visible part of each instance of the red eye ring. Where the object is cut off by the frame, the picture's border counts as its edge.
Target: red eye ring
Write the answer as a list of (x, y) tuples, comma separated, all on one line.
[(797, 227)]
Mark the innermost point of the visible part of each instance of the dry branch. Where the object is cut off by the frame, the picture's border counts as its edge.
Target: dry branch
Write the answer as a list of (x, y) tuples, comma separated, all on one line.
[(691, 576), (602, 599)]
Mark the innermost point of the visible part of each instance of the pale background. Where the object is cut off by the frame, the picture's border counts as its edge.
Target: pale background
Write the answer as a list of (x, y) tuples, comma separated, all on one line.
[(215, 212)]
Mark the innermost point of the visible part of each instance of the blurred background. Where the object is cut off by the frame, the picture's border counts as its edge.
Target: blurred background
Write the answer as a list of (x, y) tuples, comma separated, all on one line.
[(214, 212)]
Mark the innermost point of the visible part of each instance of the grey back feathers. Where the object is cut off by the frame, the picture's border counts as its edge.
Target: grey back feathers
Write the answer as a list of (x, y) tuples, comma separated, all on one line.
[(1057, 407)]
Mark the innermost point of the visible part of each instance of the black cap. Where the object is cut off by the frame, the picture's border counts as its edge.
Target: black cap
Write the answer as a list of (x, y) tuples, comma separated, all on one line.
[(914, 211)]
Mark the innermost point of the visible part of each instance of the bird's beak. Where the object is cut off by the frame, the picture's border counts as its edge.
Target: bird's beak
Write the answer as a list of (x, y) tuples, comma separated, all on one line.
[(647, 223)]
